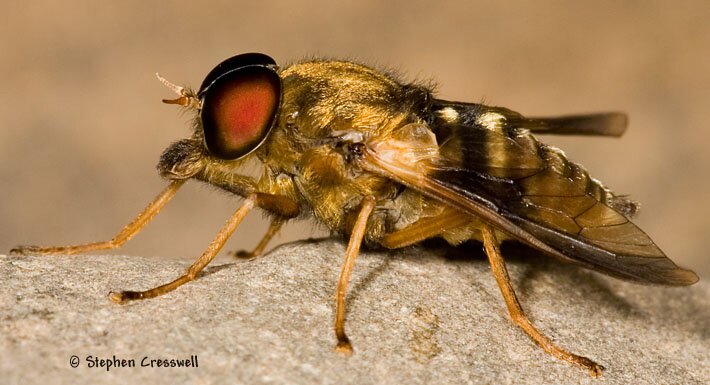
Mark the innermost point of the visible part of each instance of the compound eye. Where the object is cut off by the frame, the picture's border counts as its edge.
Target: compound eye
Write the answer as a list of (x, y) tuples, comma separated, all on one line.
[(238, 110)]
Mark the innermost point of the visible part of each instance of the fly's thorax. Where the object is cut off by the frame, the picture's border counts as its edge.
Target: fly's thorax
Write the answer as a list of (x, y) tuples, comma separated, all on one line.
[(324, 96), (333, 189)]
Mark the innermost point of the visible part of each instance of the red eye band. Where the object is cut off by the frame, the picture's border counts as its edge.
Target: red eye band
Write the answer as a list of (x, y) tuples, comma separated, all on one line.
[(238, 111)]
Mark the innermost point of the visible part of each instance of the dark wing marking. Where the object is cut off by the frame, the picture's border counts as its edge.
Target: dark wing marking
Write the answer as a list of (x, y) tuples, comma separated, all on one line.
[(505, 177), (597, 124), (602, 124)]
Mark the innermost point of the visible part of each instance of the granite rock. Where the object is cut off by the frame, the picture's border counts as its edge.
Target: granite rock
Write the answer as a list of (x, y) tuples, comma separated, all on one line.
[(414, 316)]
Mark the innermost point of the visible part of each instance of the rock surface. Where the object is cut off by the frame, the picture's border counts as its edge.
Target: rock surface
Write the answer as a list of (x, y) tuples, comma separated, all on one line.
[(414, 317)]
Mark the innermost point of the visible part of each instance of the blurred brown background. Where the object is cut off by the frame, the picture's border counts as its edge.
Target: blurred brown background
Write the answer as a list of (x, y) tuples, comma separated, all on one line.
[(82, 126)]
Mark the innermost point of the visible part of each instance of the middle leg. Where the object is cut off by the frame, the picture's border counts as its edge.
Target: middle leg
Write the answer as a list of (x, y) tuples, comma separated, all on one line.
[(273, 229), (358, 232)]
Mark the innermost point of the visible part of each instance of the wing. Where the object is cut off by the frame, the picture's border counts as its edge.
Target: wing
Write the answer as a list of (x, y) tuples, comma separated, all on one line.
[(600, 124), (489, 167)]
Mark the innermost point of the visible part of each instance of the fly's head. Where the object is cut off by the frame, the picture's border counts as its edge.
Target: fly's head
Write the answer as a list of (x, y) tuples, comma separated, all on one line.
[(237, 106)]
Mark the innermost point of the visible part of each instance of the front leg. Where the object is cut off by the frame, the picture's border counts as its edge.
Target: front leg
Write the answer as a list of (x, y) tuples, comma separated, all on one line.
[(179, 162), (119, 239)]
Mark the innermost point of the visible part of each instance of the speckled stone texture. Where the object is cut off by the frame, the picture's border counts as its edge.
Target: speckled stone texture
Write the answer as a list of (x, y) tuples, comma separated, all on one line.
[(414, 317)]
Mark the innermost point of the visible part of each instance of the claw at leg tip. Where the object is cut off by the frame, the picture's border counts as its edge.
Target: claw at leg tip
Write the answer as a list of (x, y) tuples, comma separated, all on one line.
[(117, 297), (22, 250), (344, 348), (242, 254), (596, 370)]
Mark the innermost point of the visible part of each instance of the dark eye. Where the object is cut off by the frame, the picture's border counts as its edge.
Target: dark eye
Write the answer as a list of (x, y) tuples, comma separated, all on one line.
[(240, 101)]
